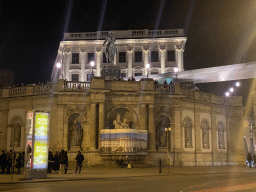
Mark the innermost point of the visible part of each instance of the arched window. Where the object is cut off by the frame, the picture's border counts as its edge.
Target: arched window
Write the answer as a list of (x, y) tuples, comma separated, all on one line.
[(205, 134), (221, 135), (188, 132)]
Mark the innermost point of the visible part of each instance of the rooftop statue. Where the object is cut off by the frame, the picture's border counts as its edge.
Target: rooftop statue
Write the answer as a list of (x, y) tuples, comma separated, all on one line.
[(111, 48)]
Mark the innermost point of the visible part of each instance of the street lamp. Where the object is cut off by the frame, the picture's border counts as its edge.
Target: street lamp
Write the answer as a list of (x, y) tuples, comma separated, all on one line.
[(175, 72), (147, 66), (237, 84), (92, 64)]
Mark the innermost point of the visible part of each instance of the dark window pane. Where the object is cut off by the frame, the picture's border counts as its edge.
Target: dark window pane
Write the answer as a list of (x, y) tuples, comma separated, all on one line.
[(89, 77), (138, 56), (170, 56), (75, 58), (90, 57), (122, 57), (122, 75), (104, 60), (152, 73), (137, 74), (75, 77), (154, 56)]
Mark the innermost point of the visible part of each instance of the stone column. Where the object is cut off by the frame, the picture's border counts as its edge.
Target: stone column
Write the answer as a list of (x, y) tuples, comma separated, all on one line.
[(60, 126), (178, 138), (143, 117), (146, 52), (67, 61), (129, 63), (65, 141), (93, 127), (151, 128), (101, 120), (82, 61), (179, 57), (97, 62), (3, 128), (214, 137), (197, 138), (162, 60), (115, 59)]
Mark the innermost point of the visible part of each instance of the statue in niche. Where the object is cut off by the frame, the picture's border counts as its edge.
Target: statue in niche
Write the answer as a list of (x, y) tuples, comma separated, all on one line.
[(118, 124), (187, 135), (205, 136), (161, 134), (111, 48), (16, 135), (221, 138), (76, 134)]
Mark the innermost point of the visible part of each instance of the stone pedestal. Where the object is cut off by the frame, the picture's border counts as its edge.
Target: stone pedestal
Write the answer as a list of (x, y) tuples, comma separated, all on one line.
[(75, 148), (111, 72)]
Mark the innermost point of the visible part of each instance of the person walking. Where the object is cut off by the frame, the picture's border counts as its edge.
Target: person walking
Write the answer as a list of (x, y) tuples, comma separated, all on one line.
[(62, 162), (3, 161), (18, 162), (249, 159), (79, 161), (66, 159), (56, 164)]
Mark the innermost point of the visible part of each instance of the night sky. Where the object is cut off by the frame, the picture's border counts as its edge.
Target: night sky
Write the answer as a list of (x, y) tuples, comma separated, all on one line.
[(219, 32)]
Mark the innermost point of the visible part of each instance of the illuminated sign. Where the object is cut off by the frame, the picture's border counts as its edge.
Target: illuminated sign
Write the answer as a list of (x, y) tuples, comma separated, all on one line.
[(41, 140)]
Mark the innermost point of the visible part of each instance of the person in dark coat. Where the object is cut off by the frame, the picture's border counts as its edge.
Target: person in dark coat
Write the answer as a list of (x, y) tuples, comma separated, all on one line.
[(56, 164), (249, 159), (18, 162), (8, 162), (79, 161), (62, 161), (50, 161), (66, 159), (3, 161)]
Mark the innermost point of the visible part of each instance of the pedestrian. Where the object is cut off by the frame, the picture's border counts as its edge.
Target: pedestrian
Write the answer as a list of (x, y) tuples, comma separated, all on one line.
[(56, 164), (3, 161), (50, 161), (8, 162), (249, 159), (62, 162), (18, 162), (79, 161), (66, 165)]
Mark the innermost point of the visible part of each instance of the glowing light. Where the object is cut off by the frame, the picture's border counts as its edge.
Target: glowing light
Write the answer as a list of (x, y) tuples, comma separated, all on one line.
[(58, 65), (176, 69), (231, 89), (227, 94), (147, 66), (92, 63), (237, 84)]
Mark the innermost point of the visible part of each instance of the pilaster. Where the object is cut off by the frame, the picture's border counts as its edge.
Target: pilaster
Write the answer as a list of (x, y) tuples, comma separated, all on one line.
[(93, 127), (130, 53), (151, 128), (162, 60), (98, 59), (145, 53), (143, 117), (101, 120)]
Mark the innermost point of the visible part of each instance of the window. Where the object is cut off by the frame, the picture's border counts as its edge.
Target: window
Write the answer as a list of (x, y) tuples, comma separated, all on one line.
[(137, 74), (154, 56), (75, 77), (153, 73), (89, 77), (122, 75), (205, 134), (188, 132), (90, 57), (122, 57), (75, 58), (104, 59), (138, 56), (221, 135), (170, 56)]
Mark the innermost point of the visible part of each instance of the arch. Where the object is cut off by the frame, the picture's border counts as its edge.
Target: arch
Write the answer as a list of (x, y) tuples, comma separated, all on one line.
[(125, 113), (16, 124), (188, 137), (221, 135), (162, 121), (205, 133)]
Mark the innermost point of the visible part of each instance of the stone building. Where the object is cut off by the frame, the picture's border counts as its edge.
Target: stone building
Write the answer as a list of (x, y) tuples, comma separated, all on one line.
[(205, 129), (162, 49)]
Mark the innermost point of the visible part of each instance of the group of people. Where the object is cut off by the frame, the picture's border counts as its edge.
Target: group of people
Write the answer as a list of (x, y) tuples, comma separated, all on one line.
[(58, 162), (9, 162)]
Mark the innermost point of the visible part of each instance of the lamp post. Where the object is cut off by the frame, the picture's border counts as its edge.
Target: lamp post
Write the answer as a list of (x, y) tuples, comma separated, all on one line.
[(175, 72), (147, 66), (167, 132), (92, 64), (59, 66)]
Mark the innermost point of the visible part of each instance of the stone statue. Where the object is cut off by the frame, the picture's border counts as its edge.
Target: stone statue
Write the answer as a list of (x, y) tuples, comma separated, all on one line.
[(76, 134), (124, 124), (187, 135), (16, 135), (111, 48), (117, 122), (205, 136)]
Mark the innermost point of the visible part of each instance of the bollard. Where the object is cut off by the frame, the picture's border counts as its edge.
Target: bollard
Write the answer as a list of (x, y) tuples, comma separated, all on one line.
[(160, 165)]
